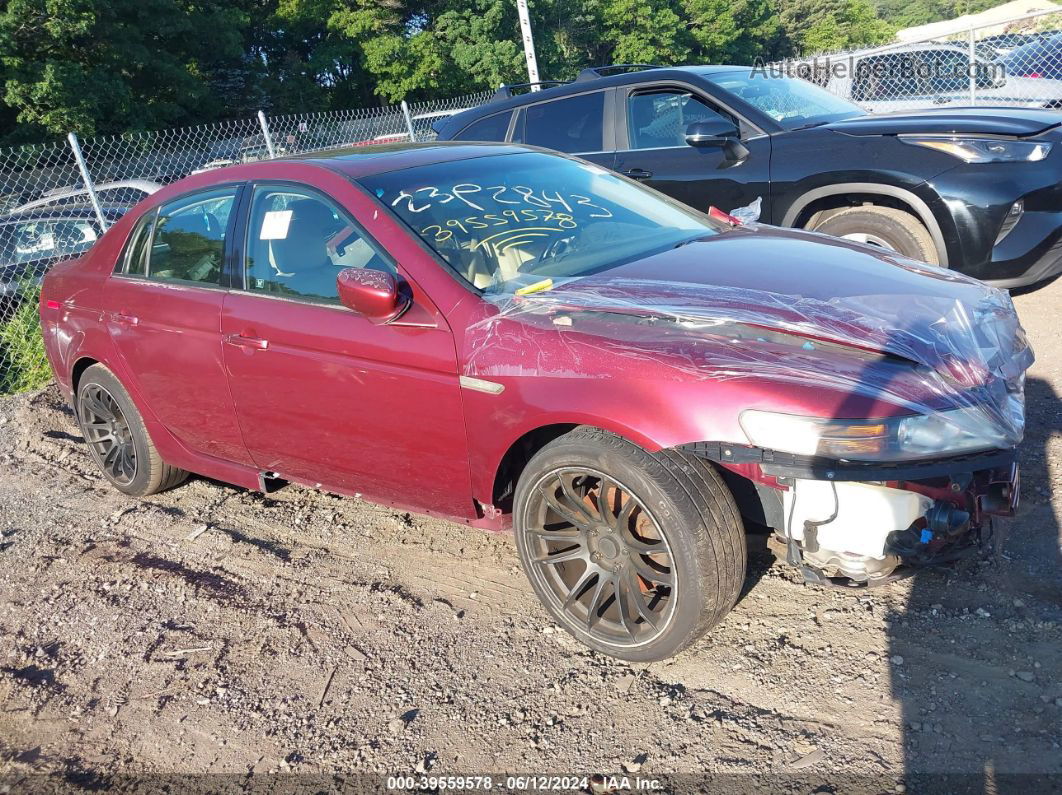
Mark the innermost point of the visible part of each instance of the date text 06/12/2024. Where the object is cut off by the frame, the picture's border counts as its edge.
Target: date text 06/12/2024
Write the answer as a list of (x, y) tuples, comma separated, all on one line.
[(575, 783)]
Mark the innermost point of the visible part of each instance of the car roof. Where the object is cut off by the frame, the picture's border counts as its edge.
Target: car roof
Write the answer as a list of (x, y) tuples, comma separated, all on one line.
[(365, 161), (587, 80)]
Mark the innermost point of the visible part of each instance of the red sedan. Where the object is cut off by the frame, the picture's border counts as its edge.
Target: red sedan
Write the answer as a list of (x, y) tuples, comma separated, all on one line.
[(504, 336)]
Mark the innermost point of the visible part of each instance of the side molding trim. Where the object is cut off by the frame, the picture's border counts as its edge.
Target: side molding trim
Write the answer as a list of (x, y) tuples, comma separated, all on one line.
[(479, 385)]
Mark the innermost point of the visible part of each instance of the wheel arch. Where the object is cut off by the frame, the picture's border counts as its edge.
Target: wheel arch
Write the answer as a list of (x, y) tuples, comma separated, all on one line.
[(503, 476), (801, 210), (78, 369)]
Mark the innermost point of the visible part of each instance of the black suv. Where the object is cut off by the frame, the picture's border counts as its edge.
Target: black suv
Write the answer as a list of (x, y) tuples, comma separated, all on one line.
[(974, 189)]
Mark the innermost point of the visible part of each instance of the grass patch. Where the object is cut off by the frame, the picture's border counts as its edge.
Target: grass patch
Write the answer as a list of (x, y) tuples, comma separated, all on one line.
[(23, 363)]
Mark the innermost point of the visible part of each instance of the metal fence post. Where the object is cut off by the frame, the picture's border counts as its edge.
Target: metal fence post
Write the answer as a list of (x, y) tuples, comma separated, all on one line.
[(973, 69), (266, 135), (87, 178), (409, 122)]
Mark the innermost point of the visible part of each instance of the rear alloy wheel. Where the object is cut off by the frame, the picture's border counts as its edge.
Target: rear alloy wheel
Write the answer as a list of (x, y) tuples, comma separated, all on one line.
[(116, 437), (884, 227), (107, 434), (637, 555)]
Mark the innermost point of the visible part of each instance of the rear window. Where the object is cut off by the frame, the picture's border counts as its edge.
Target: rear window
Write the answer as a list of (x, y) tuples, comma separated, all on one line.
[(189, 238), (568, 125), (492, 128)]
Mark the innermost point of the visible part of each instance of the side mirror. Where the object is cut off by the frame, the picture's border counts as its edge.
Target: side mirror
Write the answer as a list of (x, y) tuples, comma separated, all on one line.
[(374, 294), (715, 132)]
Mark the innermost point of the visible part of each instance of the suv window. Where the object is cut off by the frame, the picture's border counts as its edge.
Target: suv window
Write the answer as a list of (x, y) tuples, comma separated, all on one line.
[(298, 242), (573, 124), (659, 118), (492, 128), (189, 238), (888, 76)]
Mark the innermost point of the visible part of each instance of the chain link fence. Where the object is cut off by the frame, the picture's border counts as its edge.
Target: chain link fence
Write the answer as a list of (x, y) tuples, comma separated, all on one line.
[(1015, 62), (57, 199), (48, 212)]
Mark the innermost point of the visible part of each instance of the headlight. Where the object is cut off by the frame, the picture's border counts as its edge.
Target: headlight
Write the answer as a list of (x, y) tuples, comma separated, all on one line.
[(895, 439), (982, 150)]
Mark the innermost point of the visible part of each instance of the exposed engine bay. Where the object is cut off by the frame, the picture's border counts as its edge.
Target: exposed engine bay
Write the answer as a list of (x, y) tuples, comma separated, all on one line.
[(862, 534)]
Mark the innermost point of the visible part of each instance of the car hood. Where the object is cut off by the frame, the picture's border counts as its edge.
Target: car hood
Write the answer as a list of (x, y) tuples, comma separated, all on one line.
[(791, 308), (959, 121)]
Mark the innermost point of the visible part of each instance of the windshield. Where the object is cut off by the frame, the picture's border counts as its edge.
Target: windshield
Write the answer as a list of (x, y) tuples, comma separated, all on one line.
[(790, 101), (504, 222)]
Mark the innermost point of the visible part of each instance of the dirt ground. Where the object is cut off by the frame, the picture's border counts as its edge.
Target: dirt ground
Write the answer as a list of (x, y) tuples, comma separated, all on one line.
[(222, 638)]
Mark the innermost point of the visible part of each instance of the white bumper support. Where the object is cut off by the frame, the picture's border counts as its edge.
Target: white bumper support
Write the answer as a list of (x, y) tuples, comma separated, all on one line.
[(865, 514)]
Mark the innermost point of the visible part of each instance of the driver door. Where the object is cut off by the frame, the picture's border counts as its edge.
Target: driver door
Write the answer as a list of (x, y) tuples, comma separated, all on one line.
[(323, 396), (653, 150)]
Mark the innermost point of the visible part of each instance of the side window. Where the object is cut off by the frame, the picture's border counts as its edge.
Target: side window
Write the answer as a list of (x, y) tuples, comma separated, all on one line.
[(948, 71), (659, 118), (569, 125), (298, 242), (189, 240), (134, 261), (492, 128), (888, 76)]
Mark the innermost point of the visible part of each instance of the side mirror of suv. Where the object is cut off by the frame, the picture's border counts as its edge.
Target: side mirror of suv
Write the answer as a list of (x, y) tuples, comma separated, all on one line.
[(715, 132), (374, 294), (718, 133)]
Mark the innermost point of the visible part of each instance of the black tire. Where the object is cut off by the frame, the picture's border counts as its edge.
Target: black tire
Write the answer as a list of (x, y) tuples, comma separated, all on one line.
[(121, 447), (673, 504), (886, 227)]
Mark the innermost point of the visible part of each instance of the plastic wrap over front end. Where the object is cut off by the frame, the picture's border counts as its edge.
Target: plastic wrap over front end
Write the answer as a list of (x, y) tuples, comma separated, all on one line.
[(955, 351)]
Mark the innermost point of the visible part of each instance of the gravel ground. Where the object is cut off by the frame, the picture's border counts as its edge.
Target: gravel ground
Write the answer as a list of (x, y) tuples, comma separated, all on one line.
[(214, 631)]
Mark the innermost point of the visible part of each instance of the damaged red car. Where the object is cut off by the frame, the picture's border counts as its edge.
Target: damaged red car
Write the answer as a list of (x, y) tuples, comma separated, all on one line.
[(509, 337)]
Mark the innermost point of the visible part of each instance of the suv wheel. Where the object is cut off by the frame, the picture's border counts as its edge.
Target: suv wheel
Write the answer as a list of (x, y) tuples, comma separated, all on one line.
[(886, 227), (635, 554), (116, 436)]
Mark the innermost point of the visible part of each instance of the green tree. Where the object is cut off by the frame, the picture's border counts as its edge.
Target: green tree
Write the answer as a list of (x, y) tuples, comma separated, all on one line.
[(644, 31), (733, 31), (114, 65), (815, 26)]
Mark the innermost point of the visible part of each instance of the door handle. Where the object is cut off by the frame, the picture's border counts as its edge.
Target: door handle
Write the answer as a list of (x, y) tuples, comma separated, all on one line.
[(125, 319), (637, 173), (241, 341)]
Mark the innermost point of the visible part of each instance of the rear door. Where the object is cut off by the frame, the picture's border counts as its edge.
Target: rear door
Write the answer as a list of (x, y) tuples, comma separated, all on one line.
[(162, 307), (653, 149), (324, 396), (581, 125)]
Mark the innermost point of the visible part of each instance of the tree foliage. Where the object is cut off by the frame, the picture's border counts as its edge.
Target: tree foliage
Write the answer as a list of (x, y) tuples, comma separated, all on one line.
[(102, 66)]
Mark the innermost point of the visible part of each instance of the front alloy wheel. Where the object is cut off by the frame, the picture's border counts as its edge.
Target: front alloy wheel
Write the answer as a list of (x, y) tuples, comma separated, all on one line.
[(635, 554), (600, 555)]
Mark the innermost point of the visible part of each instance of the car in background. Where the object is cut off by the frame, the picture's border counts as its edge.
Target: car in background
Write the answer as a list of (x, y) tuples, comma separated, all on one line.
[(965, 188), (937, 74), (34, 239), (126, 192), (248, 153), (505, 337), (1038, 60), (1003, 44)]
